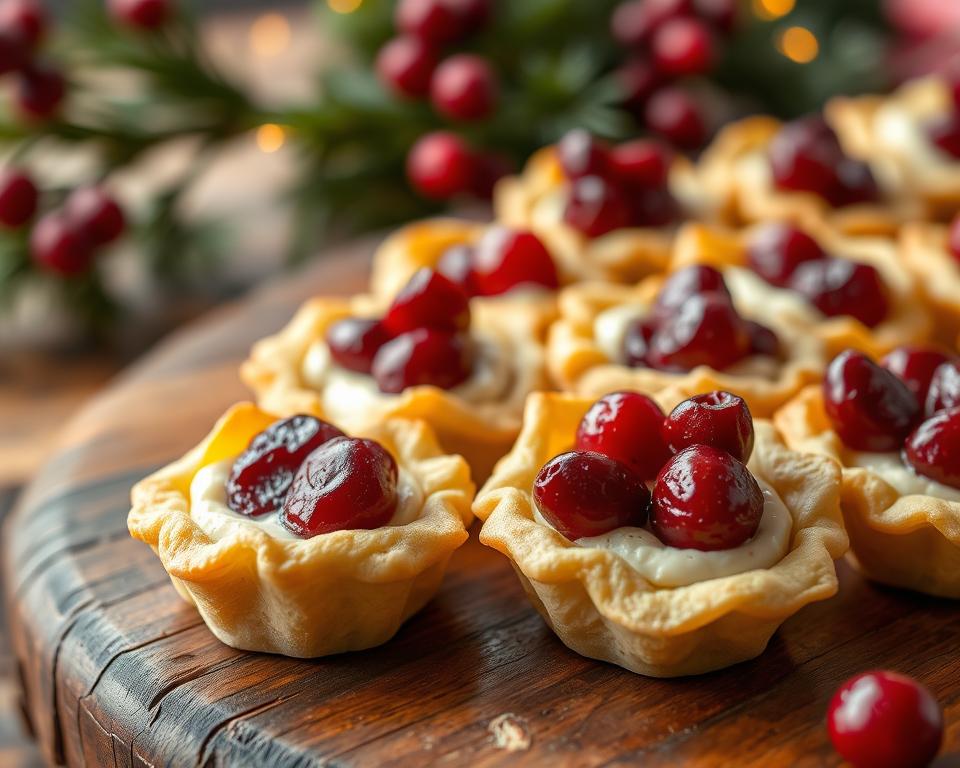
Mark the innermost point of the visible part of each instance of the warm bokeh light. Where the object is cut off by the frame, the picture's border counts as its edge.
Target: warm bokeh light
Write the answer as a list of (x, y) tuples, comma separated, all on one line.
[(269, 35), (772, 9), (344, 6), (270, 137), (798, 44)]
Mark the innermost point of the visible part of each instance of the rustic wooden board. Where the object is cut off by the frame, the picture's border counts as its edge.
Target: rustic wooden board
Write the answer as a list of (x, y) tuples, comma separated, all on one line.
[(119, 671)]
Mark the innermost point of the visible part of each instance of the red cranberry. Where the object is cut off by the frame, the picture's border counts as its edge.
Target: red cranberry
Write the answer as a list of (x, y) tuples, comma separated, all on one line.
[(953, 237), (855, 184), (596, 207), (96, 214), (953, 83), (509, 258), (142, 14), (652, 207), (14, 50), (58, 246), (706, 330), (424, 357), (24, 19), (636, 341), (869, 407), (18, 198), (40, 91), (763, 340), (435, 21), (581, 154), (355, 341), (915, 366), (440, 165), (686, 283), (626, 426), (933, 448), (456, 264), (347, 484), (718, 419), (583, 494), (683, 47), (722, 14), (840, 287), (464, 87), (944, 389), (885, 720), (405, 65), (673, 113), (775, 251), (945, 133), (429, 300), (262, 474), (804, 154), (637, 80), (641, 163), (632, 22), (705, 499)]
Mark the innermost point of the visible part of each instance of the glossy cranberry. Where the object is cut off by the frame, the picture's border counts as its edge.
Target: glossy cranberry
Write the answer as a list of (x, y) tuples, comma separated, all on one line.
[(763, 340), (869, 407), (40, 91), (686, 283), (953, 238), (428, 300), (436, 21), (855, 184), (722, 14), (915, 366), (633, 22), (440, 165), (583, 494), (96, 214), (142, 14), (804, 154), (933, 448), (56, 245), (839, 287), (683, 46), (424, 357), (464, 87), (626, 426), (507, 258), (885, 720), (718, 419), (262, 474), (25, 19), (355, 341), (14, 50), (654, 207), (596, 207), (581, 154), (706, 330), (456, 264), (405, 65), (640, 163), (18, 198), (636, 341), (944, 389), (945, 134), (705, 499), (673, 113), (346, 484), (775, 250), (637, 80)]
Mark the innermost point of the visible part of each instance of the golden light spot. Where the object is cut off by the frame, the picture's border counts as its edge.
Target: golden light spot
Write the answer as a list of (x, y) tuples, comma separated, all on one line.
[(269, 35), (772, 9), (798, 44), (344, 6), (270, 137)]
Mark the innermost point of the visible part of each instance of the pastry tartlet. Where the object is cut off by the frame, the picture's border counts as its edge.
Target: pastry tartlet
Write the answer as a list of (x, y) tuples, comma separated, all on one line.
[(857, 290), (322, 586), (464, 367), (622, 594), (894, 432), (931, 252)]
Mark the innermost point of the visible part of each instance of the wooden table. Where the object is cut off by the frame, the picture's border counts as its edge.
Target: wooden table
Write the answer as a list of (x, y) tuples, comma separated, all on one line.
[(119, 671)]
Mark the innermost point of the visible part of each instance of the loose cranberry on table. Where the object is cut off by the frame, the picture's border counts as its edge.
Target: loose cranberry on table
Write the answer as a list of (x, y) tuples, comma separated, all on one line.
[(581, 154), (868, 406), (428, 300), (626, 426), (142, 14), (40, 91), (705, 499), (673, 113), (58, 245), (436, 21), (839, 287), (944, 389), (683, 46), (464, 87), (686, 283), (424, 357), (706, 330), (596, 207), (96, 214), (933, 448), (405, 65), (583, 494), (262, 474), (440, 165), (915, 365), (355, 341), (505, 259), (18, 198), (953, 238), (717, 419), (345, 484), (884, 719), (776, 250)]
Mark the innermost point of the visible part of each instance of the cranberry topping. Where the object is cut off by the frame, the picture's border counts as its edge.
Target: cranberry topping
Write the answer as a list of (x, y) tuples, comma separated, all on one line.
[(706, 330), (705, 499), (354, 341), (856, 184), (885, 720), (505, 259), (869, 407), (839, 287), (641, 163), (582, 494), (596, 207), (262, 474), (420, 358), (944, 389), (636, 341), (456, 264), (654, 207), (581, 154), (915, 366), (429, 300), (626, 426), (776, 250), (763, 340), (953, 238), (686, 283), (717, 419), (945, 134), (346, 484), (933, 448)]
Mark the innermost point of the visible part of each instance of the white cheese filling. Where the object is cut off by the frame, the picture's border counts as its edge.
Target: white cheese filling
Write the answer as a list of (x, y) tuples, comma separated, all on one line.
[(891, 468)]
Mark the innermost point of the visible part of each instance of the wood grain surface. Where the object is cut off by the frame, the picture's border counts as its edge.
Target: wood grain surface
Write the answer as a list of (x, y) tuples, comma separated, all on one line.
[(119, 671)]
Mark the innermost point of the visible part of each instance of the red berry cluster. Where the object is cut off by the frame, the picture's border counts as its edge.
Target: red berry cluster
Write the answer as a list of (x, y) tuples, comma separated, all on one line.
[(670, 40), (442, 165), (910, 402), (615, 187), (40, 87), (788, 257), (694, 322), (703, 495), (945, 131)]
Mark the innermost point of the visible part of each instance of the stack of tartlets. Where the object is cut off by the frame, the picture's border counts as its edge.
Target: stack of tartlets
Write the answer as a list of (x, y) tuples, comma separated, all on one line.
[(685, 387)]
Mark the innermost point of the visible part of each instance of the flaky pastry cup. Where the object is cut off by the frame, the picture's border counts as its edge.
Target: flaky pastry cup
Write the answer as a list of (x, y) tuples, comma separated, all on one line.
[(906, 541), (925, 254), (534, 200), (481, 432), (602, 608), (908, 322), (340, 591)]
